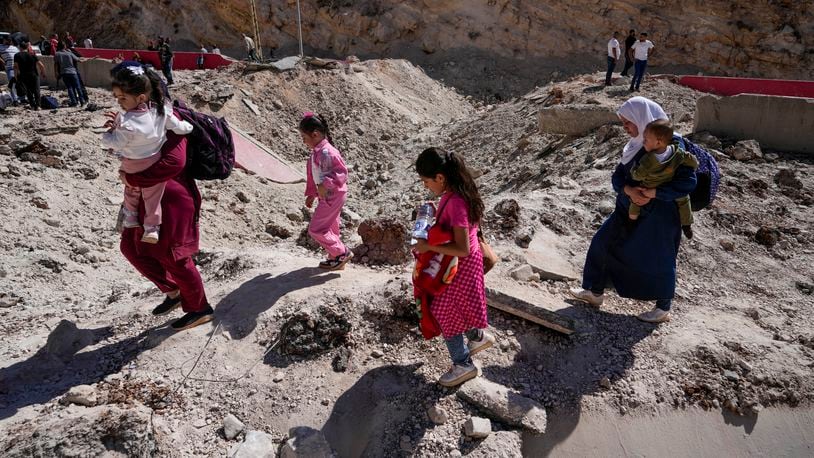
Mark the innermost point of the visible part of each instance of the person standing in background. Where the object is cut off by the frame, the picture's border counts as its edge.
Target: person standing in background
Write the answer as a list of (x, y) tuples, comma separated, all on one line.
[(613, 56), (631, 38), (250, 48), (641, 51), (88, 43)]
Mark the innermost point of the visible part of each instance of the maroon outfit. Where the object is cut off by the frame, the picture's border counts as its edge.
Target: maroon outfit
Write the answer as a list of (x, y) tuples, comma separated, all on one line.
[(168, 263)]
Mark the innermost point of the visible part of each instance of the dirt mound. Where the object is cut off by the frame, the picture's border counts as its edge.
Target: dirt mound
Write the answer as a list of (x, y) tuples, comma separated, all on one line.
[(308, 334), (739, 335)]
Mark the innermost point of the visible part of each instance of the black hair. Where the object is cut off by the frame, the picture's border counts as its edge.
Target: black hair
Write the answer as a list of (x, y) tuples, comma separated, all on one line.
[(316, 122), (136, 83), (643, 33), (433, 161), (631, 31), (60, 45)]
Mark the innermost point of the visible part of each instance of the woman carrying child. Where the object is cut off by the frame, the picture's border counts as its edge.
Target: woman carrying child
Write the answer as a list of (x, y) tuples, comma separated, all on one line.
[(461, 307), (168, 262), (638, 257), (327, 182)]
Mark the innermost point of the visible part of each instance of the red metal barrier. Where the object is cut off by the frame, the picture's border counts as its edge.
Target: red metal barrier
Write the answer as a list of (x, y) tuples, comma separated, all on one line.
[(732, 86), (180, 60)]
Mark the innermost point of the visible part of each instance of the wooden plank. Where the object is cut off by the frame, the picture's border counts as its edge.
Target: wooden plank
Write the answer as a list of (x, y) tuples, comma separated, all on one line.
[(531, 312)]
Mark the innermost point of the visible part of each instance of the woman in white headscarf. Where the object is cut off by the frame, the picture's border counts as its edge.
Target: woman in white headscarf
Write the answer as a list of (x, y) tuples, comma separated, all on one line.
[(638, 257)]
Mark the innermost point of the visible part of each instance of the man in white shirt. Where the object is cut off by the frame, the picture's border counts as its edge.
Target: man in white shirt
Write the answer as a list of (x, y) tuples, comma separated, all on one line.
[(7, 52), (250, 49), (642, 49), (88, 43), (614, 52)]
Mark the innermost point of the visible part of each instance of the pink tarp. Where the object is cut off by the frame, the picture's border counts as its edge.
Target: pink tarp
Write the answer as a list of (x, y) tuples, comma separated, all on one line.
[(732, 86), (180, 60), (253, 156)]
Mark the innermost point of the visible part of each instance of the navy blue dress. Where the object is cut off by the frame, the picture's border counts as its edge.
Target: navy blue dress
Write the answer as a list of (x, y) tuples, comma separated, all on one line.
[(638, 258)]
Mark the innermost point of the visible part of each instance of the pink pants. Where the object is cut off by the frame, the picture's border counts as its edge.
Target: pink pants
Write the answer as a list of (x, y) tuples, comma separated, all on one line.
[(152, 195), (324, 227)]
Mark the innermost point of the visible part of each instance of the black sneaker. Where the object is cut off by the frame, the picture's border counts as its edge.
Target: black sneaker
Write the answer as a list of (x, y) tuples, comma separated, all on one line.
[(192, 319), (687, 231), (167, 306)]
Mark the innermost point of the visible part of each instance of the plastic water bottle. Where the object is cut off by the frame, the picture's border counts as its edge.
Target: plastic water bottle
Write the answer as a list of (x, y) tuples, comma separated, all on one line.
[(423, 222)]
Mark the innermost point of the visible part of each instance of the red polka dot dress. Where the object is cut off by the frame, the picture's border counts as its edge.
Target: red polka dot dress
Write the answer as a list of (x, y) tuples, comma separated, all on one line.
[(462, 305)]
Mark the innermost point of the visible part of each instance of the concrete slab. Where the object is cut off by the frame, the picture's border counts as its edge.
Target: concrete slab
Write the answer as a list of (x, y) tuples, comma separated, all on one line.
[(575, 119), (548, 258), (258, 158), (779, 123)]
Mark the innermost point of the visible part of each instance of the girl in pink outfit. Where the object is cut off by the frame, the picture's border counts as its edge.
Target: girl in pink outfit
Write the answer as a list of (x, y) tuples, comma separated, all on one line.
[(460, 309), (327, 181), (137, 136)]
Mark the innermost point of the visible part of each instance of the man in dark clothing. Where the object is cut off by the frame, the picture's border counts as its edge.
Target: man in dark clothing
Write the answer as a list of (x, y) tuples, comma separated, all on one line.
[(631, 38), (165, 55), (28, 69)]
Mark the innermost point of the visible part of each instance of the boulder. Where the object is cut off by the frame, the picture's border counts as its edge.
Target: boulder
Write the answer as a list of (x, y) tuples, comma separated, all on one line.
[(477, 427), (384, 241), (232, 427), (84, 395), (745, 150), (256, 444), (305, 442)]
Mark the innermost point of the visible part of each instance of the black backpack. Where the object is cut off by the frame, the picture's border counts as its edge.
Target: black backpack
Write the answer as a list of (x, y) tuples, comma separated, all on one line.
[(211, 149)]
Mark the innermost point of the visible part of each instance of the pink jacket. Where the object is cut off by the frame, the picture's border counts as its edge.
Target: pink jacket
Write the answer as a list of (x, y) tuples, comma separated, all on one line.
[(331, 169)]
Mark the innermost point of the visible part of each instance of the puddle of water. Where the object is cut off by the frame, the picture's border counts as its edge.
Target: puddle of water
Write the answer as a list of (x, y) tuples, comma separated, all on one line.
[(695, 433)]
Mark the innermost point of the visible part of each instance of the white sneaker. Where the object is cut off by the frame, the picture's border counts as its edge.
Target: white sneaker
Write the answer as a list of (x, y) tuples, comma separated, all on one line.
[(587, 296), (656, 315), (150, 235), (457, 375), (486, 341)]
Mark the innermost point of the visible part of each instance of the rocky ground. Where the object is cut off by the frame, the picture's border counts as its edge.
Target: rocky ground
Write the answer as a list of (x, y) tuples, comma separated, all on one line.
[(85, 368)]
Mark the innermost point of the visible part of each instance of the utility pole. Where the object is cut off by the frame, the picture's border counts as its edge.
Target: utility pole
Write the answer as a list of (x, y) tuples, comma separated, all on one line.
[(256, 32), (299, 27)]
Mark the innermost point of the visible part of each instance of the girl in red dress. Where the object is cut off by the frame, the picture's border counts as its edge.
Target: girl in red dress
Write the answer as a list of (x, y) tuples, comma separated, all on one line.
[(461, 308)]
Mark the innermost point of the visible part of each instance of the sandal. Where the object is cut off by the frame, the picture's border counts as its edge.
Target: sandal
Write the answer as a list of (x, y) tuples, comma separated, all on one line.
[(337, 263)]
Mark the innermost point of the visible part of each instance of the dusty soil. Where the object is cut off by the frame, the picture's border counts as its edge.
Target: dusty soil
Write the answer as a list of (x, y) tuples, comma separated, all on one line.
[(349, 361)]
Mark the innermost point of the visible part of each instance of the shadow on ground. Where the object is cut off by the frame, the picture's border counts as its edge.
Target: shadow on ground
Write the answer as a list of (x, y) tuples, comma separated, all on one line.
[(60, 364), (238, 311), (570, 367)]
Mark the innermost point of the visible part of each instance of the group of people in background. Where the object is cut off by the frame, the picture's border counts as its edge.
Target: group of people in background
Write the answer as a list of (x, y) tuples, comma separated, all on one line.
[(636, 53)]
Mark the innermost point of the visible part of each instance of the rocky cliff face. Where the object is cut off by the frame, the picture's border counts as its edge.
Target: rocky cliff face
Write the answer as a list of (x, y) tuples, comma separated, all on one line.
[(496, 43)]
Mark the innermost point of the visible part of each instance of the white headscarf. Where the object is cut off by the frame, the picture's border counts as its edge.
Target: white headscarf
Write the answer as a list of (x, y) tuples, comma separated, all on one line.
[(640, 111)]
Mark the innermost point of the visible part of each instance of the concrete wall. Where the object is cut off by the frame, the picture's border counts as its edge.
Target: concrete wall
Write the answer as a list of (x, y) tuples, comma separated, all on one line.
[(575, 119), (95, 72), (779, 123)]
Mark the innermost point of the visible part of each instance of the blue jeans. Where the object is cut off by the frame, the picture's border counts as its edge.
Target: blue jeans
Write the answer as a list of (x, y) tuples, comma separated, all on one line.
[(74, 91), (664, 304), (166, 68), (638, 73), (458, 349), (611, 66), (12, 86)]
